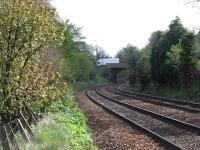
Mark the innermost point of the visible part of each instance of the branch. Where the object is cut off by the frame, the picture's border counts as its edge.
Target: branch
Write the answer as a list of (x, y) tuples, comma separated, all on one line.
[(29, 55), (30, 36)]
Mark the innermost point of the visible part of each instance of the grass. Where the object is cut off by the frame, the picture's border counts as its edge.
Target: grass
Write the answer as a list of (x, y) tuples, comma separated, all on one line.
[(64, 128), (191, 93), (49, 135), (79, 85)]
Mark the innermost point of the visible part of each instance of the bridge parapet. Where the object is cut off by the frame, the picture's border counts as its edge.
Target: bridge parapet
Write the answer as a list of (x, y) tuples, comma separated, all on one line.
[(117, 65)]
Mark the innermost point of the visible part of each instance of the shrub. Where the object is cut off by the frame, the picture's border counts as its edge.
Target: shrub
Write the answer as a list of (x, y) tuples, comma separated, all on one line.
[(144, 81)]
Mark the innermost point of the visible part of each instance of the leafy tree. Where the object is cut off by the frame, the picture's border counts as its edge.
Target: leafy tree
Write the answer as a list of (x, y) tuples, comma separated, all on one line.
[(187, 65), (130, 55), (100, 52), (27, 28), (73, 40), (144, 68), (154, 41), (174, 57), (197, 42), (79, 56), (163, 72), (144, 61), (82, 66)]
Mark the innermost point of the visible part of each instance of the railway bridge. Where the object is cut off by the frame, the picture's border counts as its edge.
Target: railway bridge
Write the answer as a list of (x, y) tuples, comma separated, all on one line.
[(115, 69)]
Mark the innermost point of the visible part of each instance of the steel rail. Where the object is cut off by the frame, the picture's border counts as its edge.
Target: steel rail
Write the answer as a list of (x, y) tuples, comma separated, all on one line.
[(180, 102), (161, 103), (154, 135), (162, 117)]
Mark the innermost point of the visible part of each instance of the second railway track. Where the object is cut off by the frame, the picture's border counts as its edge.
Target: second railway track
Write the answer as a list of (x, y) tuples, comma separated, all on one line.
[(182, 104), (185, 116), (182, 137)]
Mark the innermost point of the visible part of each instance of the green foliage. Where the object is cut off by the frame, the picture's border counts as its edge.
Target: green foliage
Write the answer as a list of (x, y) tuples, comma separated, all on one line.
[(79, 60), (162, 71), (198, 66), (82, 66), (65, 70), (144, 68), (79, 85), (174, 56), (77, 132), (104, 71), (129, 55), (75, 123), (65, 127), (72, 38), (144, 80), (51, 136), (144, 61), (155, 59), (179, 92), (187, 65), (27, 28)]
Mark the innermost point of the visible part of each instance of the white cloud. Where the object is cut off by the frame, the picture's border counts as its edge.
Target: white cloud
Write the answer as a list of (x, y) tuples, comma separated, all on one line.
[(112, 24)]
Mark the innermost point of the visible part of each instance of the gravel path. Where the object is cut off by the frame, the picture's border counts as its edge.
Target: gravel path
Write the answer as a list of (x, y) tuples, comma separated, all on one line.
[(193, 118), (110, 133), (181, 137)]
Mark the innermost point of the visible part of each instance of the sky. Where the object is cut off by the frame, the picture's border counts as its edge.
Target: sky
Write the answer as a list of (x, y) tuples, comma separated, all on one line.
[(112, 24)]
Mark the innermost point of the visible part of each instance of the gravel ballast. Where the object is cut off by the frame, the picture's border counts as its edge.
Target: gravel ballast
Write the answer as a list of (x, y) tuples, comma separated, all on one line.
[(193, 118), (110, 133), (181, 137)]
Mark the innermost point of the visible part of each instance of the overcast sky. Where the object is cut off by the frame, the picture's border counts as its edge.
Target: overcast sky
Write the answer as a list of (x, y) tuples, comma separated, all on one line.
[(112, 24)]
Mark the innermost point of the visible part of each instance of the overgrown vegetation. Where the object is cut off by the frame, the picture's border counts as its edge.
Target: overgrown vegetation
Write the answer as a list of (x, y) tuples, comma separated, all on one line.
[(30, 32), (167, 62), (30, 29), (64, 126), (82, 57)]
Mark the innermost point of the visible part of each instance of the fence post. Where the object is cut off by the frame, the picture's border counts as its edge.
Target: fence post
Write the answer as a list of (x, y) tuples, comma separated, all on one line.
[(11, 136), (21, 130), (30, 110), (33, 119), (4, 138), (26, 125)]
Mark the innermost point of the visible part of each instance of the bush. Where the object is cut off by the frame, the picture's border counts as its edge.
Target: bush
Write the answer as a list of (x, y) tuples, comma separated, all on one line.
[(65, 127), (144, 81), (104, 72), (132, 80)]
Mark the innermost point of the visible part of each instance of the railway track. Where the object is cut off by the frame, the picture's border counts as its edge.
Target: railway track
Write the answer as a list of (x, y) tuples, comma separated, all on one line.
[(163, 130), (179, 103), (156, 101), (184, 116)]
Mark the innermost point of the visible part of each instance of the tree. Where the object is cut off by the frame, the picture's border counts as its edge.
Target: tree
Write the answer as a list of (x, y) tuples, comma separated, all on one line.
[(154, 42), (79, 57), (100, 52), (130, 55), (144, 68), (73, 40), (163, 72), (174, 56), (187, 64), (27, 28), (82, 66)]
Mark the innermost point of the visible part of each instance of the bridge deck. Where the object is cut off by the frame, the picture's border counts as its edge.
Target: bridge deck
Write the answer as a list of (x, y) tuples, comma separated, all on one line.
[(118, 65)]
